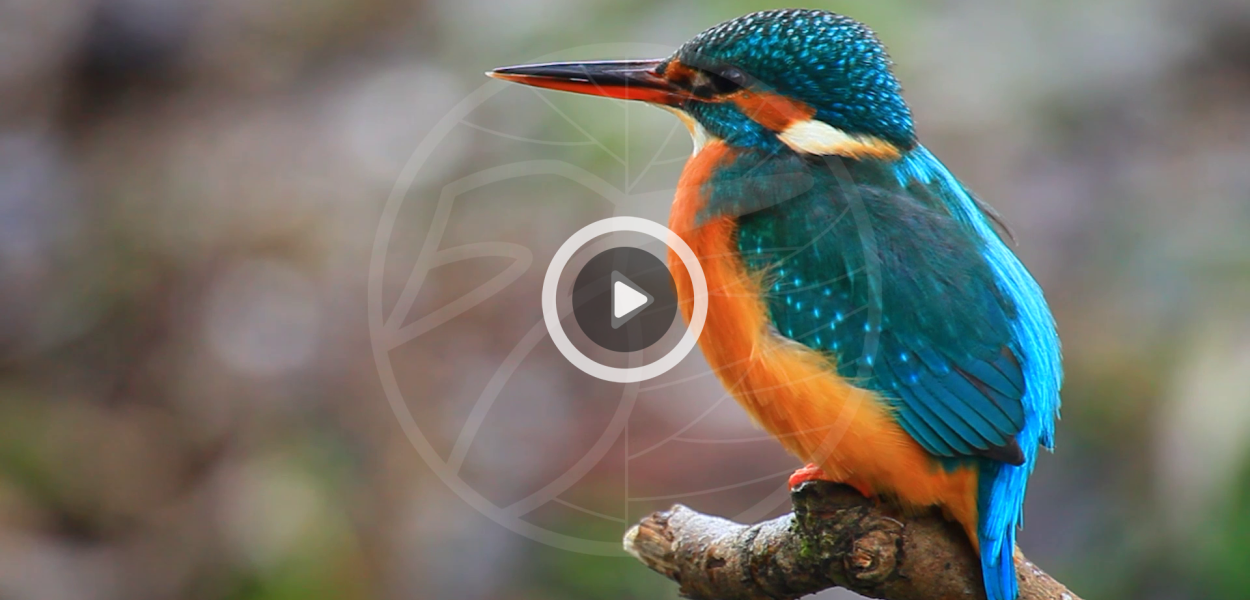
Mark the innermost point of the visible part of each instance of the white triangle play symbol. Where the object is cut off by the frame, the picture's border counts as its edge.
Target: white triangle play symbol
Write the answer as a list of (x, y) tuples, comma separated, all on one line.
[(627, 299)]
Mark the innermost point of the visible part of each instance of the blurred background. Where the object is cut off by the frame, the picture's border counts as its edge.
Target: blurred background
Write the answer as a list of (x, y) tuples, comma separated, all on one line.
[(199, 395)]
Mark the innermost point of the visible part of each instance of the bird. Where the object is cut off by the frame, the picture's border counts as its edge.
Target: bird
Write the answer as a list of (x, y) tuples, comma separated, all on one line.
[(864, 306)]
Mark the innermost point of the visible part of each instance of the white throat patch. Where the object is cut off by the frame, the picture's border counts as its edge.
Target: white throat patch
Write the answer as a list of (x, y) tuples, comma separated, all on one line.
[(698, 134)]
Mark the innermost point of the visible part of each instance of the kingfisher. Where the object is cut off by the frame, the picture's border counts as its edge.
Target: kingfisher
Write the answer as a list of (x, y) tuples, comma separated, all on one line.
[(863, 305)]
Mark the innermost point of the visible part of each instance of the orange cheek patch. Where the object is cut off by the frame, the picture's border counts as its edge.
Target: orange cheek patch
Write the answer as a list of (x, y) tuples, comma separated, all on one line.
[(678, 73), (774, 111)]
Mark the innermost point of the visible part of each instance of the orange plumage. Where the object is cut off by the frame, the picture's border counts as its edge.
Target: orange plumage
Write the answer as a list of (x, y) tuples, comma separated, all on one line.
[(791, 391)]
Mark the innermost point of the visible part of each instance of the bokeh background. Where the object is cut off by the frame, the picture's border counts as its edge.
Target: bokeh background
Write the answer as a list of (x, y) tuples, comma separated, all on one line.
[(190, 196)]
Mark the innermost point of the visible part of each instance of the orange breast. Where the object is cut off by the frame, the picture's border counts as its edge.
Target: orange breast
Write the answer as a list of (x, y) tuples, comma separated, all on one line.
[(794, 393)]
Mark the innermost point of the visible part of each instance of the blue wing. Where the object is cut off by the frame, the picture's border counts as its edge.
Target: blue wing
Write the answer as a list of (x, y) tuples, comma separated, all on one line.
[(897, 291), (1002, 487)]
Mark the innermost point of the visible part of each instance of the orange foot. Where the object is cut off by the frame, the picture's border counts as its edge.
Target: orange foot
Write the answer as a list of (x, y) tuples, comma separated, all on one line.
[(813, 473), (809, 473)]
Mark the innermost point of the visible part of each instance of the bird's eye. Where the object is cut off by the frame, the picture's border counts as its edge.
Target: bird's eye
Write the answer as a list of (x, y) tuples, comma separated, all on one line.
[(734, 75), (720, 82)]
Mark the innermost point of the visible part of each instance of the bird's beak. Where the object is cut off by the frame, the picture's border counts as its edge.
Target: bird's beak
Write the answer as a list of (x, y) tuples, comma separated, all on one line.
[(625, 79)]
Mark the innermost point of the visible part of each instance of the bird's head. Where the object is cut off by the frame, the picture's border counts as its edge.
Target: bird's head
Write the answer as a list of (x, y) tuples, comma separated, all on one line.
[(808, 80)]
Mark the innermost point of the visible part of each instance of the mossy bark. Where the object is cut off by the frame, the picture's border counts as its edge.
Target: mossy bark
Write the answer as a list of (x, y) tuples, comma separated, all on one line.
[(834, 537)]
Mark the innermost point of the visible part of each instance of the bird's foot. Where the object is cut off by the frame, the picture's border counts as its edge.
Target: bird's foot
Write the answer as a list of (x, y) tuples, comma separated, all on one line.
[(809, 473)]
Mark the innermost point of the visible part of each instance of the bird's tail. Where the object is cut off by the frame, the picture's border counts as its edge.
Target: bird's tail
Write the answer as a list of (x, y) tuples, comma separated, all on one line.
[(998, 569), (1001, 497)]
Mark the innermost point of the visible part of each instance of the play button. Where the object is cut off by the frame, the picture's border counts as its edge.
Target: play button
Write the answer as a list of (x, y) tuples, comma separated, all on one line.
[(627, 299), (623, 299), (590, 309)]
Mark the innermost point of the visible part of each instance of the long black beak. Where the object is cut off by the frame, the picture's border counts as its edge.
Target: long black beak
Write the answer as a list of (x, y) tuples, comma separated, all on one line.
[(625, 79)]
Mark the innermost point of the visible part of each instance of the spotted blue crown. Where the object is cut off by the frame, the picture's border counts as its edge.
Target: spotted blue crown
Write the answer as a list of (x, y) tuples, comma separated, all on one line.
[(826, 60)]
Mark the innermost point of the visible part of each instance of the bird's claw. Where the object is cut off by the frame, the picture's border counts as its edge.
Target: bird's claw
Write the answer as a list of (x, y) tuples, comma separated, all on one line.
[(811, 472)]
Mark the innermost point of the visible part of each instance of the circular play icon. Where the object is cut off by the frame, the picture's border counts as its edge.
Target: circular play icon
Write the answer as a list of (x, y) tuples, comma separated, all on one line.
[(623, 299), (627, 303)]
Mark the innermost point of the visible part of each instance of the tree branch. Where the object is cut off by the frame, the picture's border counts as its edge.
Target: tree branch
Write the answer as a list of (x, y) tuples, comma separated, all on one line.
[(834, 537)]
